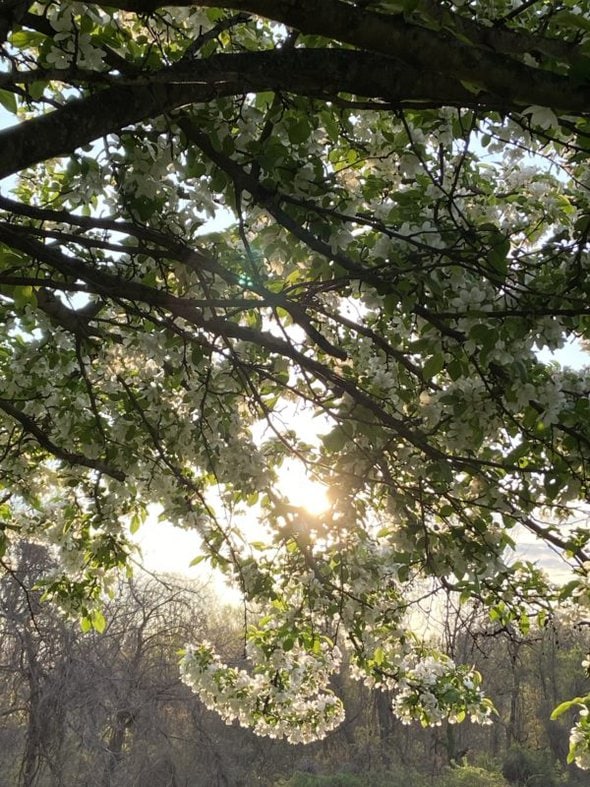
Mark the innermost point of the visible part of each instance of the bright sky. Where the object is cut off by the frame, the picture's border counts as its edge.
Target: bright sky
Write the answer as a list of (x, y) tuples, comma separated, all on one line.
[(166, 548)]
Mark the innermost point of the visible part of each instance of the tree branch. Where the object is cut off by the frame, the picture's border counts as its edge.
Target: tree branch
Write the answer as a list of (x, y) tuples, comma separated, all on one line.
[(311, 72), (31, 427), (426, 50)]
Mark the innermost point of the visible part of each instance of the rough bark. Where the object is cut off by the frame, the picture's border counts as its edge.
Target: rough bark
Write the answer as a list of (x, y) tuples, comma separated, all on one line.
[(481, 62), (395, 61), (111, 109)]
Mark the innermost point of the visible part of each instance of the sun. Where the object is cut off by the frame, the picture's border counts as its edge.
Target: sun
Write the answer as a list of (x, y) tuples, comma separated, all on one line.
[(302, 491), (168, 549)]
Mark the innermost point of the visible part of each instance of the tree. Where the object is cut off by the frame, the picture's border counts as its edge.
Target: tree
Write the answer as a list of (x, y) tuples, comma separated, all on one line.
[(408, 184), (110, 709), (35, 666)]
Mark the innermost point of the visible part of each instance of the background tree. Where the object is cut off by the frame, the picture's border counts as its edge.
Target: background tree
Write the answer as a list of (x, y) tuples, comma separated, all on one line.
[(35, 669), (111, 709), (408, 186)]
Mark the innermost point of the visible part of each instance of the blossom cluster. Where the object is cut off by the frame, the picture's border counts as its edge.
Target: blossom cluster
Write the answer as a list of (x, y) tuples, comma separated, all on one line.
[(579, 740), (285, 696), (431, 689), (70, 45)]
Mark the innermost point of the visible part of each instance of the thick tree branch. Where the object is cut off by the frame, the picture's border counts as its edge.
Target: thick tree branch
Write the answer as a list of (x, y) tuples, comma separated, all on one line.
[(311, 72), (83, 120), (496, 38), (425, 50)]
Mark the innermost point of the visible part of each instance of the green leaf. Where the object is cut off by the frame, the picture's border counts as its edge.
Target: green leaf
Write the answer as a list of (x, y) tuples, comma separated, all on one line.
[(433, 366), (472, 87), (135, 523), (565, 706), (299, 131), (331, 126), (455, 369), (498, 259), (335, 440), (22, 39), (8, 101), (24, 296), (98, 621), (571, 756), (573, 21), (567, 590), (485, 336), (218, 181), (36, 90)]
